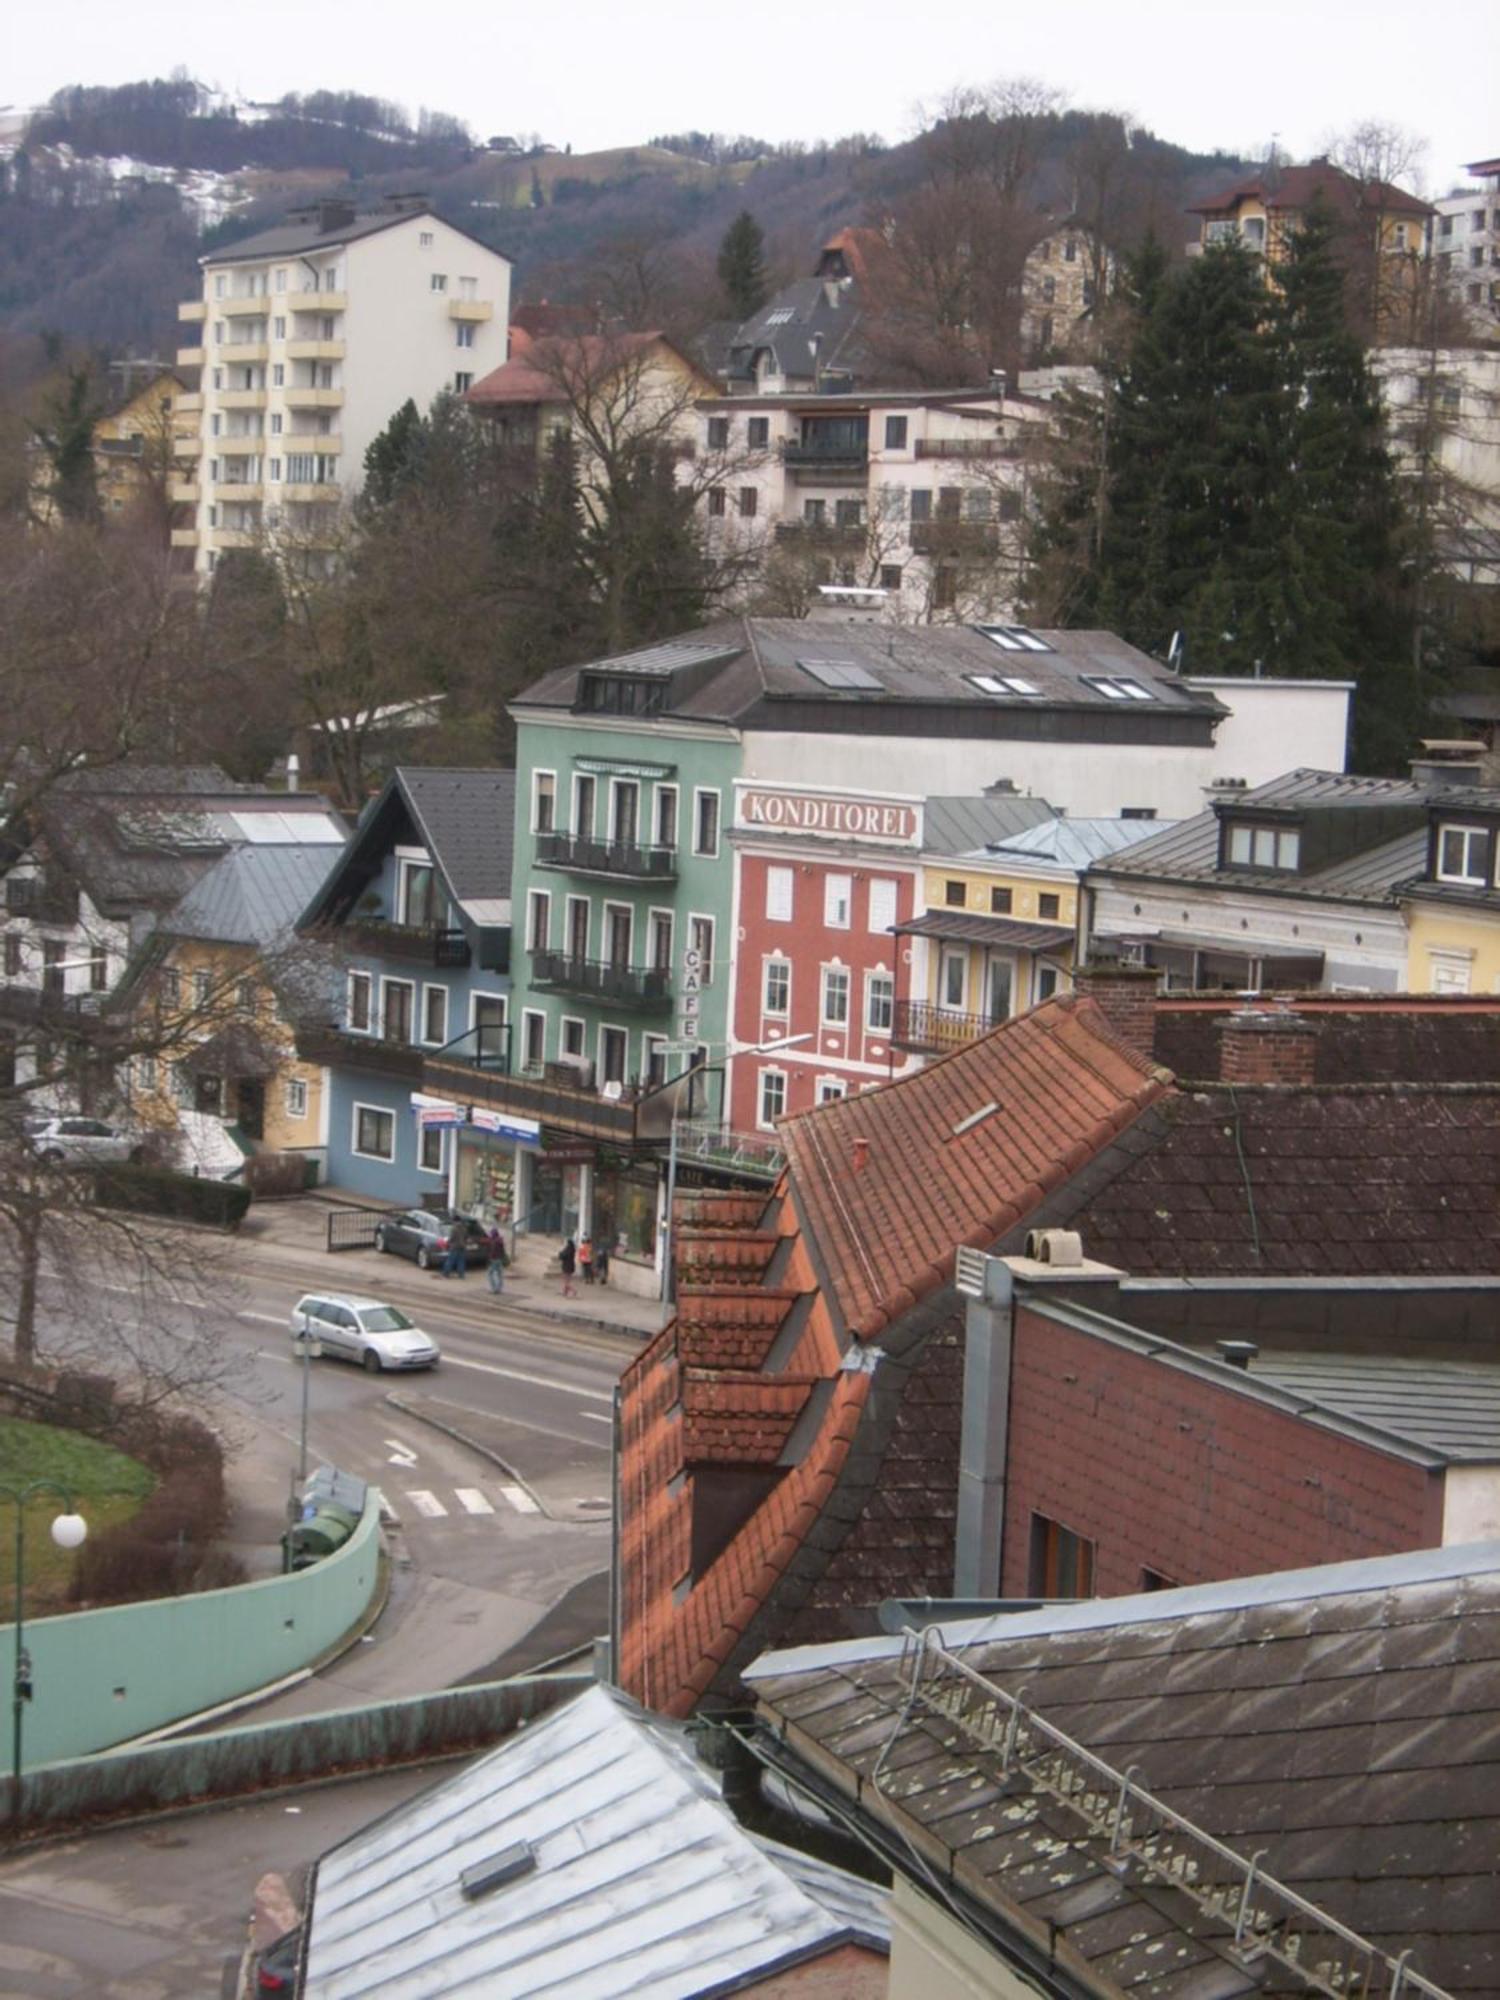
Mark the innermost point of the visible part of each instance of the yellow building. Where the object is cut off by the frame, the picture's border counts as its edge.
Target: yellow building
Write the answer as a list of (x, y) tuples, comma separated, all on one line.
[(1452, 911), (229, 985), (606, 390), (1388, 232), (997, 932), (134, 448)]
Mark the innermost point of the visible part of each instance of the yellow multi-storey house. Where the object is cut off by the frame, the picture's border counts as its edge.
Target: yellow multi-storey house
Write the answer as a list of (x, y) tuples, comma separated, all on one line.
[(997, 931), (1452, 910)]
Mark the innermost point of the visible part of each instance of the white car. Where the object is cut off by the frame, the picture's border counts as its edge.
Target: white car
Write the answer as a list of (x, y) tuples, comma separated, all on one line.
[(376, 1335), (77, 1141)]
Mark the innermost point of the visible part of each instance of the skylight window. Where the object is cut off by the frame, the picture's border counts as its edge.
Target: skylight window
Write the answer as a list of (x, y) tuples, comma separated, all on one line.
[(844, 674), (1015, 639), (1117, 687), (780, 317), (1002, 684)]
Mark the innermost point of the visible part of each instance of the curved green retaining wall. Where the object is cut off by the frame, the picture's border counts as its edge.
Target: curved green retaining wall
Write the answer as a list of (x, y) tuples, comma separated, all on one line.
[(103, 1677)]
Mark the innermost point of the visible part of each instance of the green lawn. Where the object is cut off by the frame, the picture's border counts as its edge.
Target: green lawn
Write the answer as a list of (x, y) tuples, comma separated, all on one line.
[(106, 1485)]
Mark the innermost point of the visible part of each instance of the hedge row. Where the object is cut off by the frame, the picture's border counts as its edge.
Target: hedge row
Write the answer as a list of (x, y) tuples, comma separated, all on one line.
[(160, 1191)]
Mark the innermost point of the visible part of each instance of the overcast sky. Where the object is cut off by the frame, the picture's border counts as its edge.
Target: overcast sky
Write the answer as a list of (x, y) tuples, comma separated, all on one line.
[(604, 73)]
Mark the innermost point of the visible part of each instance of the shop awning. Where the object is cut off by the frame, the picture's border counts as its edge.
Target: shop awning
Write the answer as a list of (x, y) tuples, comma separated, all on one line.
[(441, 1114), (968, 927)]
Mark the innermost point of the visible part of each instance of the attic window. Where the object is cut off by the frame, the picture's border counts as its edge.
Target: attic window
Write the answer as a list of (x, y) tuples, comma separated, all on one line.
[(1015, 639), (1461, 854), (843, 674), (1117, 687), (619, 694), (1002, 684), (780, 317), (507, 1866), (1263, 847)]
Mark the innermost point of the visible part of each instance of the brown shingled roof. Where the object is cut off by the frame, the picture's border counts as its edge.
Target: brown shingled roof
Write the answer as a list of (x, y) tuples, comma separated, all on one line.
[(1296, 188)]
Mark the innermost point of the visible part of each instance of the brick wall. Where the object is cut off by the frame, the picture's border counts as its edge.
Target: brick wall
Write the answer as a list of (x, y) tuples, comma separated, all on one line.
[(848, 1972), (1267, 1045), (1127, 996), (1195, 1481)]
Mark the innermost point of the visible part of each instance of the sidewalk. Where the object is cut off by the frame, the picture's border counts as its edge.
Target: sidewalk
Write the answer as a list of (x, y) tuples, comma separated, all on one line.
[(296, 1230)]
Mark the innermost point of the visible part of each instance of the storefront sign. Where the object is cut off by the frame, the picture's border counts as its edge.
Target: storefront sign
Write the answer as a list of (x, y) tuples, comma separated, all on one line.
[(690, 989), (608, 767), (829, 813), (436, 1114)]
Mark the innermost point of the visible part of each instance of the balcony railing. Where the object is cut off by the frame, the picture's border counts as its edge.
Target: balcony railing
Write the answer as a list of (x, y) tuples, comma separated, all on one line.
[(341, 1048), (647, 988), (824, 456), (477, 1065), (967, 448), (711, 1145), (423, 944), (954, 537), (832, 536), (928, 1029), (620, 860)]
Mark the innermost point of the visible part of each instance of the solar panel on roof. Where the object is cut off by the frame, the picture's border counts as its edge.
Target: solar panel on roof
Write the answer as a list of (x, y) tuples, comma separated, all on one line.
[(840, 674)]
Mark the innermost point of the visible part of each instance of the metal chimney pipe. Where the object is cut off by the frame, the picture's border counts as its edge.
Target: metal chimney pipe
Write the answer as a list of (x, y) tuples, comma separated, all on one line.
[(989, 1325)]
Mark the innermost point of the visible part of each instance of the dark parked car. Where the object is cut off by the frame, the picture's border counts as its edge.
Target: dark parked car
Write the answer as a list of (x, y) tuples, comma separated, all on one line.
[(424, 1234)]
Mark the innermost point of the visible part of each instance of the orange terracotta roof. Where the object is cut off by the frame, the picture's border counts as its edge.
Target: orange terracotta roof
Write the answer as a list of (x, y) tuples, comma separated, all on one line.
[(893, 1180), (555, 369), (739, 1418)]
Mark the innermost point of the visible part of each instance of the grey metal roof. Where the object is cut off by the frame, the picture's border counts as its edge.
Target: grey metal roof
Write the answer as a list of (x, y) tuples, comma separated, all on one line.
[(788, 325), (467, 822), (253, 895), (291, 239), (1074, 843), (1453, 1406), (1342, 1723), (644, 1883), (959, 825), (972, 927), (1188, 851)]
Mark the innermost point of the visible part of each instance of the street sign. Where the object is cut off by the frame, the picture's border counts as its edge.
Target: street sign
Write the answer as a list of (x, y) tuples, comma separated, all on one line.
[(690, 989)]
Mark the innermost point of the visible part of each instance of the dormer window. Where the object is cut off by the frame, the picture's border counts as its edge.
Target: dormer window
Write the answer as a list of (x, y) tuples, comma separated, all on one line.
[(621, 694), (1263, 847), (1463, 852)]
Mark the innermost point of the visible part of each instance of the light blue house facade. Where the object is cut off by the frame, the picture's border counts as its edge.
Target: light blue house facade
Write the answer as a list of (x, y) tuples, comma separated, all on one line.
[(418, 914)]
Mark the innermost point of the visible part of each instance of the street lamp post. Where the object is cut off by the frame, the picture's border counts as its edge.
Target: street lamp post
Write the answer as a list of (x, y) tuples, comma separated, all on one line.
[(311, 1348), (68, 1531)]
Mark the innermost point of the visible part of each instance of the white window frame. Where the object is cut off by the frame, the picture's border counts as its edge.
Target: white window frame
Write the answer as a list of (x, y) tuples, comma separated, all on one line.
[(352, 980), (428, 989), (663, 792), (833, 895), (873, 1027), (575, 818), (475, 998), (825, 1019), (408, 859), (538, 919), (387, 981), (890, 889), (695, 919), (528, 1015), (657, 915), (565, 1026), (766, 1075), (601, 1075), (296, 1097), (380, 1111), (1454, 962), (784, 965), (537, 776), (1471, 836), (609, 907), (830, 1089), (780, 907), (424, 1133), (566, 944), (701, 792)]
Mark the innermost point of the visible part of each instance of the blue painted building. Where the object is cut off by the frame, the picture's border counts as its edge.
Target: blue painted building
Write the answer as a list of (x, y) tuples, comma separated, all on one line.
[(418, 913)]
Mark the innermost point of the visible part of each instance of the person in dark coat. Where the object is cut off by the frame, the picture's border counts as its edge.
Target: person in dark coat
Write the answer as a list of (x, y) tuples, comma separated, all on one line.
[(567, 1258)]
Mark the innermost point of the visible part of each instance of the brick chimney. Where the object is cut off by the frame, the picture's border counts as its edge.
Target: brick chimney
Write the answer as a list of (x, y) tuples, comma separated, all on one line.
[(1268, 1045), (1127, 996)]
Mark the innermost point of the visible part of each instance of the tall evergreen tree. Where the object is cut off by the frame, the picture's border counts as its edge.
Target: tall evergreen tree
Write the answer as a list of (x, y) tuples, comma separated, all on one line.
[(392, 456), (742, 265), (66, 437)]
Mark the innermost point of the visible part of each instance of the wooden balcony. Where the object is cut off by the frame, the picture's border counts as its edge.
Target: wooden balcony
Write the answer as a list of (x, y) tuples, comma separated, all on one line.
[(420, 944), (339, 1048), (613, 860), (926, 1029), (552, 1093)]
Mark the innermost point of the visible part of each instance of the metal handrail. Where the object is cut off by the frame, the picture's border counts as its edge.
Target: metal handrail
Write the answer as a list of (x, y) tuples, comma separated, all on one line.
[(1270, 1921)]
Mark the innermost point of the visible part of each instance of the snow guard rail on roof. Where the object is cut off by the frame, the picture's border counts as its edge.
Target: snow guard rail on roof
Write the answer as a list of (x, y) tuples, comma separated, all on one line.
[(1270, 1921)]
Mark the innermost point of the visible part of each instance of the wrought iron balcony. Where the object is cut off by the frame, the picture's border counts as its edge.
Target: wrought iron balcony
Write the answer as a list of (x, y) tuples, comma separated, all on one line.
[(842, 455), (648, 989), (476, 1067), (951, 536), (617, 860), (927, 1029)]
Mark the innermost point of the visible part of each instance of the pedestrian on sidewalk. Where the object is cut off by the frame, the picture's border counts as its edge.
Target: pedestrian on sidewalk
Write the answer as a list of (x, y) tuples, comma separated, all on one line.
[(567, 1259), (456, 1256), (586, 1259), (494, 1247), (601, 1263)]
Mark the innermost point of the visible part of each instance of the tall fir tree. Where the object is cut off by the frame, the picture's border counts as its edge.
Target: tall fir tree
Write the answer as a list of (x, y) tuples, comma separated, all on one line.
[(742, 265)]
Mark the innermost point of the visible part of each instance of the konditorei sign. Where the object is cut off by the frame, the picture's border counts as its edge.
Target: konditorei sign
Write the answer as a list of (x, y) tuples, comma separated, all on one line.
[(830, 815)]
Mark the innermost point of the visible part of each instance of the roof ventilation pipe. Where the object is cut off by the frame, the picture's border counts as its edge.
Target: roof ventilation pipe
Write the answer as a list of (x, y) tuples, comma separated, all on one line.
[(1058, 1247)]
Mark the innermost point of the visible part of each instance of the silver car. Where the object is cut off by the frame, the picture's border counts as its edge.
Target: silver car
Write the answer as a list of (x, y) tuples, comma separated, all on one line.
[(75, 1141), (376, 1335)]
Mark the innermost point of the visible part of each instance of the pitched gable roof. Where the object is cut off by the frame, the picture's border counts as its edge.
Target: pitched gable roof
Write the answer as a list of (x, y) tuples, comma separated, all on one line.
[(465, 818), (555, 368), (1296, 188), (253, 895)]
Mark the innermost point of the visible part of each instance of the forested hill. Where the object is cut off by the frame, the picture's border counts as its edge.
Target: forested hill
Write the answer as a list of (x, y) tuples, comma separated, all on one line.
[(109, 195)]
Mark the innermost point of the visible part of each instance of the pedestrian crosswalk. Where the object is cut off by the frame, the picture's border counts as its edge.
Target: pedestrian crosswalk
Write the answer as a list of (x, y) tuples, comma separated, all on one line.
[(466, 1500)]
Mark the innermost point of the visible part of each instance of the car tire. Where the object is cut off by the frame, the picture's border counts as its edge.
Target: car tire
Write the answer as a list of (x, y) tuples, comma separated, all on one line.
[(381, 1243), (53, 1157), (370, 1361), (424, 1261)]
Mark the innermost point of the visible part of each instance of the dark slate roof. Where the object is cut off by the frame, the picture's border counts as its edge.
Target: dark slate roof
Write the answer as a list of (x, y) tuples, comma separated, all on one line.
[(761, 681), (467, 821), (1451, 1406), (788, 324), (960, 825), (253, 895), (1344, 1721), (291, 239), (1400, 1179), (1360, 1039)]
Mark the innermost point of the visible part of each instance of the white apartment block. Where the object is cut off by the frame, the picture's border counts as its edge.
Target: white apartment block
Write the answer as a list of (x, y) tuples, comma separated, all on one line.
[(310, 336), (919, 495), (1466, 242)]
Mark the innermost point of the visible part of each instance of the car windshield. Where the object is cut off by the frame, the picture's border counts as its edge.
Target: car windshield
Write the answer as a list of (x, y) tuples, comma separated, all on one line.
[(384, 1319)]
